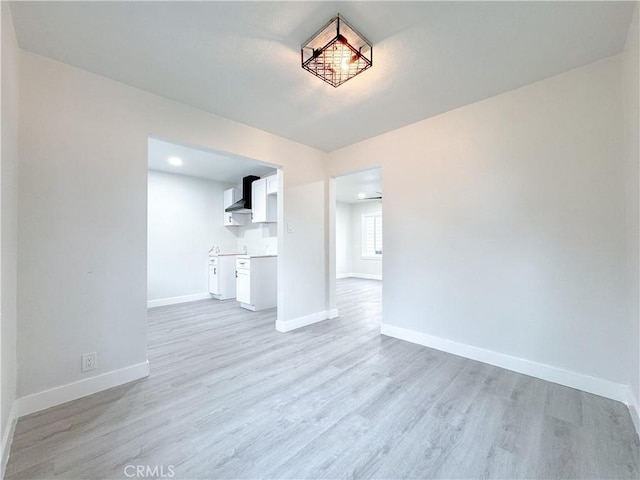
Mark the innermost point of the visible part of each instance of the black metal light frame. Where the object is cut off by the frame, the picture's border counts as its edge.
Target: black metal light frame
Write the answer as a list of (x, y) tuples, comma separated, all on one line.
[(337, 60)]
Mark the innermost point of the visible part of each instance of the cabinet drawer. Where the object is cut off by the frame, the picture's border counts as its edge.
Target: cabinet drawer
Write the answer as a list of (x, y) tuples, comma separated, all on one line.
[(243, 263), (213, 261)]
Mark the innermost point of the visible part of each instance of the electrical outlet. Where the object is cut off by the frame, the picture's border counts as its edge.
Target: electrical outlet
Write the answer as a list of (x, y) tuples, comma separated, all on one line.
[(89, 361)]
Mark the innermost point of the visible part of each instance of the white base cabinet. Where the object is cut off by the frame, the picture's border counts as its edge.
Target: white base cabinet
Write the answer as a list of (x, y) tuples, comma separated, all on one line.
[(256, 281), (222, 282), (243, 286)]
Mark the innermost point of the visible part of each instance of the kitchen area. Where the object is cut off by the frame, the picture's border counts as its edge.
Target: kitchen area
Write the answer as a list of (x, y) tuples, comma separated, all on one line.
[(249, 278), (212, 228)]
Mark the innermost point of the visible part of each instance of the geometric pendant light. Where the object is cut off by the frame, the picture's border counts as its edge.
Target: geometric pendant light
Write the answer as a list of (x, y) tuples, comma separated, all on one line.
[(337, 52)]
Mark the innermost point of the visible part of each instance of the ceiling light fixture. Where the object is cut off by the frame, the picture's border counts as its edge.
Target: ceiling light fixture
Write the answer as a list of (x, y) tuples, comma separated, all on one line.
[(361, 195), (337, 52), (175, 161)]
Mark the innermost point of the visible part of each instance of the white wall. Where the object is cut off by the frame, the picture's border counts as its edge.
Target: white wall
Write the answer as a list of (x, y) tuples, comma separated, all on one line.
[(305, 221), (349, 261), (631, 86), (513, 205), (259, 238), (343, 239), (363, 266), (184, 222), (83, 214), (8, 227), (505, 227)]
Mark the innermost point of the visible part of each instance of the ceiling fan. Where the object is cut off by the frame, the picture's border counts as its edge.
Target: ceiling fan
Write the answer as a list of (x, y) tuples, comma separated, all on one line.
[(370, 197)]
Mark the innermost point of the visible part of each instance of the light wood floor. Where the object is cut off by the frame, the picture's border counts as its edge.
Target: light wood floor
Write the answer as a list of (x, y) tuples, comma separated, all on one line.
[(229, 397)]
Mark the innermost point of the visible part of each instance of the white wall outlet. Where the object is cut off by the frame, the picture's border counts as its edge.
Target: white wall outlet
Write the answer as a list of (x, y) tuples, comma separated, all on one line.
[(89, 361)]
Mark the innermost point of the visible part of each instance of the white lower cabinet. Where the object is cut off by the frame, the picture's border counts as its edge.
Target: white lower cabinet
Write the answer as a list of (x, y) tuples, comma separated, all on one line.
[(222, 282), (256, 281), (243, 286)]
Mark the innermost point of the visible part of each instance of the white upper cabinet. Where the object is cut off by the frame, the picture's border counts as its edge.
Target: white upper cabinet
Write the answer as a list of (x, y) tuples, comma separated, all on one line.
[(264, 208), (231, 196), (272, 184)]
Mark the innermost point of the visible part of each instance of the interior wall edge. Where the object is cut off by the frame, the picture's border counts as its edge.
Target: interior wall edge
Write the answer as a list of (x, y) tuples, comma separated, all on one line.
[(579, 381), (9, 160), (634, 408)]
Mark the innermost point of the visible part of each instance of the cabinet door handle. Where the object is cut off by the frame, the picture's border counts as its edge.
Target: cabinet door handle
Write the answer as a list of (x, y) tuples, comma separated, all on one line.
[(215, 270), (236, 273)]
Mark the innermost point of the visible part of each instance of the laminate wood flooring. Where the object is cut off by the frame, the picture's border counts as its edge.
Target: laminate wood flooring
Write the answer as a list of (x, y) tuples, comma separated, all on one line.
[(229, 397)]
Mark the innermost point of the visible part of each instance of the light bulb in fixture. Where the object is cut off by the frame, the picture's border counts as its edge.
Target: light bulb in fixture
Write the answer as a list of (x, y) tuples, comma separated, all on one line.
[(343, 56), (175, 161), (361, 195)]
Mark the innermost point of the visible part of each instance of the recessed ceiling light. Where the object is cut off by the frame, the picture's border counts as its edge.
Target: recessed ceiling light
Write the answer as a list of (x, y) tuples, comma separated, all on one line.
[(175, 161), (362, 195)]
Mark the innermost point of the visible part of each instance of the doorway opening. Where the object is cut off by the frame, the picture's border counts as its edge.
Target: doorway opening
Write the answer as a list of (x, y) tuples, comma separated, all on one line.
[(359, 237), (212, 232)]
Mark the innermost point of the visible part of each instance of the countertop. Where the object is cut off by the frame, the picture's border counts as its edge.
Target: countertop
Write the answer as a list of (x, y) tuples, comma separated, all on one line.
[(256, 256), (223, 254)]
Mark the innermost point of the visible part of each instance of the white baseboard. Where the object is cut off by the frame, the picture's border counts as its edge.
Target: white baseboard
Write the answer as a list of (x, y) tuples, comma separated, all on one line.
[(368, 276), (632, 404), (586, 383), (161, 302), (288, 325), (7, 438), (72, 391)]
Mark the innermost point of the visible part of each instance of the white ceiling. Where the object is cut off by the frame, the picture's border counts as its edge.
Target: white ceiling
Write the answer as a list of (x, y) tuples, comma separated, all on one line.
[(203, 164), (241, 60), (349, 186)]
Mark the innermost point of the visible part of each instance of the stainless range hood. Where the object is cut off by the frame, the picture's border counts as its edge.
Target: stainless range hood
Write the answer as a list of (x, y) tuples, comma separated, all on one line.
[(244, 204)]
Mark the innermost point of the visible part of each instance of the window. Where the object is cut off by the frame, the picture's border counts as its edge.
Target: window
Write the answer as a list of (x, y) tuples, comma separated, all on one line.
[(372, 235)]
